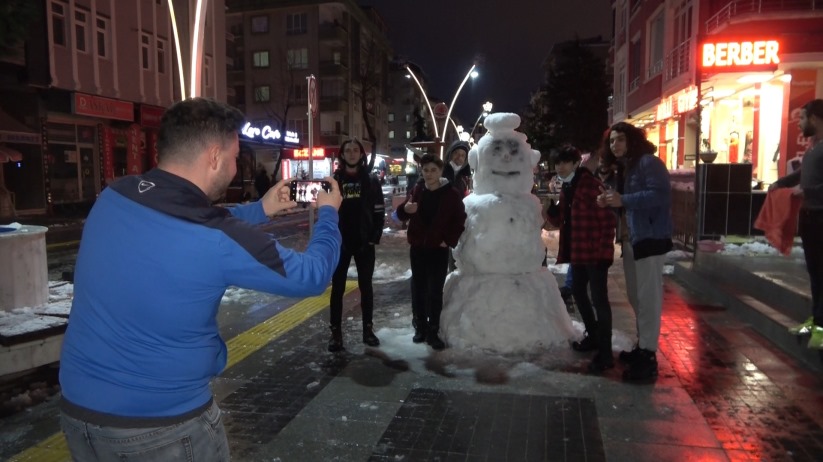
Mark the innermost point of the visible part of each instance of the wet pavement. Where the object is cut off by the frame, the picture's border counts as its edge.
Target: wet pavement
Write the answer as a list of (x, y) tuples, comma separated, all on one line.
[(725, 393)]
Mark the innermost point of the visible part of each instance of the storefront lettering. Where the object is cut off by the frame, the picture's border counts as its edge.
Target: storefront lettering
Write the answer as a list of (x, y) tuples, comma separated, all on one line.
[(734, 54), (97, 106), (267, 133), (316, 153)]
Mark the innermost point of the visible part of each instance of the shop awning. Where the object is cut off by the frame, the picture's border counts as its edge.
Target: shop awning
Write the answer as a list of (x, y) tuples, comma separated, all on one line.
[(8, 154), (12, 131)]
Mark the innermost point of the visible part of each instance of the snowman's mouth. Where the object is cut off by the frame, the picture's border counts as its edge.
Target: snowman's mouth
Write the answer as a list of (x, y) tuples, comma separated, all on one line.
[(495, 172)]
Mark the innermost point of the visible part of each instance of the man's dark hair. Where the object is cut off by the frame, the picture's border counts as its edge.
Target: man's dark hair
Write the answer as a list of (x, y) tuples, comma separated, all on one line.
[(431, 159), (636, 142), (814, 108), (191, 125), (567, 153)]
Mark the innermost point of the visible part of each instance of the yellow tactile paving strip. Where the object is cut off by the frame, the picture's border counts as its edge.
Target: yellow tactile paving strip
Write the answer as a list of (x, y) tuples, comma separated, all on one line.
[(54, 448)]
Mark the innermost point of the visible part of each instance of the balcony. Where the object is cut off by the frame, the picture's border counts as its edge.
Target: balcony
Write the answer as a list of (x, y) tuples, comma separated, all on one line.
[(331, 68), (738, 10), (332, 33), (677, 61), (333, 104), (332, 138)]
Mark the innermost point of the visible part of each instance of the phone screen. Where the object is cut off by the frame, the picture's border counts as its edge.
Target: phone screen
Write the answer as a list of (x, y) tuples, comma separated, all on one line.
[(305, 191)]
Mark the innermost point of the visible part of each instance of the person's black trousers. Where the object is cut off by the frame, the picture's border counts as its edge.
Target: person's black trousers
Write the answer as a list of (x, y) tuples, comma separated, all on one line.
[(364, 261), (811, 232), (598, 320), (429, 268)]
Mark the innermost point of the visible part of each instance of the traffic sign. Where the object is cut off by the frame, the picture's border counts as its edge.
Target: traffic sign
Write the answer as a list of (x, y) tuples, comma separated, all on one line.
[(313, 96), (441, 110)]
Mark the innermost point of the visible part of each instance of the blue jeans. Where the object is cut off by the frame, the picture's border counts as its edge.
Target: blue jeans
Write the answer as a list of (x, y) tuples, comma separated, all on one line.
[(202, 438)]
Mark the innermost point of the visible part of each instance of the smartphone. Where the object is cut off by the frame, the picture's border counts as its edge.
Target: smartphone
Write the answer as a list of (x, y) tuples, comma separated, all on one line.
[(305, 191)]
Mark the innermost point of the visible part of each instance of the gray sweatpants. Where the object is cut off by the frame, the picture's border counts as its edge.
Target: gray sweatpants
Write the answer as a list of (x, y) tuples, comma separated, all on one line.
[(644, 284)]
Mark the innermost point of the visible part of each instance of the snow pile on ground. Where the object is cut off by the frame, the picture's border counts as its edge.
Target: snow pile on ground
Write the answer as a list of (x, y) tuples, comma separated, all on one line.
[(757, 248)]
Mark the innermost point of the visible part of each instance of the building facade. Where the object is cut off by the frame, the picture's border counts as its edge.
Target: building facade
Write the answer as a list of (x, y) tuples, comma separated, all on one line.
[(274, 46), (725, 77), (86, 92)]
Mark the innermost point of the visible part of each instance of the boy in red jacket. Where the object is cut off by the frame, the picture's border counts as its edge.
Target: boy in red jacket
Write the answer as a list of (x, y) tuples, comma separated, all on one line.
[(436, 220)]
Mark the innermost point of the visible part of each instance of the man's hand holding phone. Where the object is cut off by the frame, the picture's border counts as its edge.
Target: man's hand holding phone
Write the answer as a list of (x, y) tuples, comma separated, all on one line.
[(332, 197), (277, 199)]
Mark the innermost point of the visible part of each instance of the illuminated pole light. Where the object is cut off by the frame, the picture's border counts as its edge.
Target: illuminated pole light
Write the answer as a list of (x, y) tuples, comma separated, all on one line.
[(426, 98), (473, 74), (196, 41), (487, 109)]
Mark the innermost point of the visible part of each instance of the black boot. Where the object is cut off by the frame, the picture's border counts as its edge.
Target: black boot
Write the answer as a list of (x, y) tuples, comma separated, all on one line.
[(433, 340), (336, 340), (419, 331), (629, 357), (601, 362), (589, 343), (643, 369), (368, 335)]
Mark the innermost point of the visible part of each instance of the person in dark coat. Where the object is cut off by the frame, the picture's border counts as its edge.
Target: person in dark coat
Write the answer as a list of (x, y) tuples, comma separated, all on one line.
[(437, 218), (457, 169), (362, 216), (261, 181), (587, 243)]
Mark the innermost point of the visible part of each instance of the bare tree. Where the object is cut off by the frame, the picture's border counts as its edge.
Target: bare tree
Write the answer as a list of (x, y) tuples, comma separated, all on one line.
[(370, 84), (283, 84)]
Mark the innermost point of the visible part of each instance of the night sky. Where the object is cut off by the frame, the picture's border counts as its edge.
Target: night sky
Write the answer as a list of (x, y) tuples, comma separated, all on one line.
[(513, 37)]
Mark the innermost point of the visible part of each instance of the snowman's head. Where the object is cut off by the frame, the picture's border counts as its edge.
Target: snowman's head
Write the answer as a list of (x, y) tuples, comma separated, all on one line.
[(503, 162)]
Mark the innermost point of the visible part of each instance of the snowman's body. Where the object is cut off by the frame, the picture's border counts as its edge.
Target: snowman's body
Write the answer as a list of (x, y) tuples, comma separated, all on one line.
[(500, 298)]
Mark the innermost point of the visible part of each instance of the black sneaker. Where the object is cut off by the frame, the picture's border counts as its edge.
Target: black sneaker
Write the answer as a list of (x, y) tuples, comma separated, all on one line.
[(628, 357), (643, 369), (368, 336), (336, 340), (587, 344), (600, 363)]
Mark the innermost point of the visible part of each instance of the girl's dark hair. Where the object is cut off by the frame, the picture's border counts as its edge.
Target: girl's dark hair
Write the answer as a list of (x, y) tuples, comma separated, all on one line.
[(814, 108), (636, 143)]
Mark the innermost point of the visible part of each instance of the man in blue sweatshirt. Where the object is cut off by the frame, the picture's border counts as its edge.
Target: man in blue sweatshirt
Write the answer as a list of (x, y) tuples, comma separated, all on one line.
[(155, 259)]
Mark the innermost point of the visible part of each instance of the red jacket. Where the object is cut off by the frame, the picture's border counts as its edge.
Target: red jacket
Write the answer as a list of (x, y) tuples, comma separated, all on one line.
[(440, 216), (592, 227), (778, 218)]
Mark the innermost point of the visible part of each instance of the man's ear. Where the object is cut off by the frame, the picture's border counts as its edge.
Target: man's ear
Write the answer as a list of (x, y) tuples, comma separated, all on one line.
[(213, 152)]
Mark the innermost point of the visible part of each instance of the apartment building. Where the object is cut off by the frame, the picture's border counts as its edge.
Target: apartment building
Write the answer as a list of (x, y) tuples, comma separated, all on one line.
[(81, 100), (274, 46)]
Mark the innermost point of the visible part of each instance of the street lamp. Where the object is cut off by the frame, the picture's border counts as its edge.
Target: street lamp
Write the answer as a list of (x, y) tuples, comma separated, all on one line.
[(487, 109), (472, 73)]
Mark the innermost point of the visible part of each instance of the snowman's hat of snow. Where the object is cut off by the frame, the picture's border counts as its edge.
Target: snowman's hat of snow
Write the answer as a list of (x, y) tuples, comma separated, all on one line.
[(503, 124)]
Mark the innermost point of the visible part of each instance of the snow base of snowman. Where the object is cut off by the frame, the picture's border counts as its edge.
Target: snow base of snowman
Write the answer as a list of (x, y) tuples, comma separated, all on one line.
[(497, 313)]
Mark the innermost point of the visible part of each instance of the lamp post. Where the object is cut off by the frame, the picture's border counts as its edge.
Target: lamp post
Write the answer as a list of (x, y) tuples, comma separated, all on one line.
[(487, 109), (471, 74)]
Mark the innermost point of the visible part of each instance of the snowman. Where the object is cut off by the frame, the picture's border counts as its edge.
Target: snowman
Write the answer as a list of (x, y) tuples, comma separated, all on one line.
[(500, 299)]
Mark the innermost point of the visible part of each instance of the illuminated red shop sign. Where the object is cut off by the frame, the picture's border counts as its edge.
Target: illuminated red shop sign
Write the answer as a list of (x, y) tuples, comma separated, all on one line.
[(317, 153), (737, 54)]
